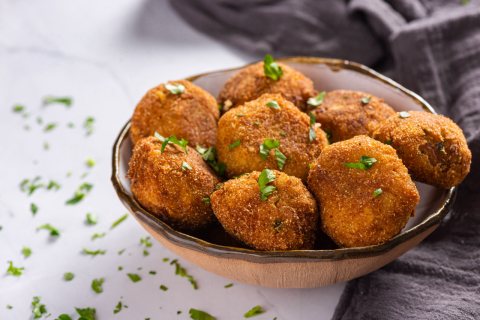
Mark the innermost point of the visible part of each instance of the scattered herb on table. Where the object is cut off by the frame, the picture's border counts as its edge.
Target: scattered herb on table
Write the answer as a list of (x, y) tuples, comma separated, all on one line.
[(364, 164), (317, 100), (116, 223), (145, 253), (271, 68), (86, 314), (120, 268), (153, 272), (121, 251), (9, 306), (88, 125), (33, 208), (50, 127), (200, 315), (229, 285), (92, 218), (254, 312), (94, 253), (18, 108), (71, 125), (175, 88), (14, 271), (266, 176), (97, 285), (162, 287), (31, 186), (165, 259), (80, 193), (90, 162), (118, 307), (26, 251), (98, 235), (38, 308), (134, 277), (65, 100), (53, 231), (181, 272), (53, 185), (46, 146), (68, 276), (146, 241)]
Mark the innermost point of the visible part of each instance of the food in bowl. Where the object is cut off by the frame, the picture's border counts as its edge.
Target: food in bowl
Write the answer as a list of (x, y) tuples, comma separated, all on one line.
[(365, 193)]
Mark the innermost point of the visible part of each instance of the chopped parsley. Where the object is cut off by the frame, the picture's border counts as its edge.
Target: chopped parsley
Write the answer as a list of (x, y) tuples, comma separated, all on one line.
[(283, 134), (311, 132), (210, 156), (94, 253), (317, 100), (80, 194), (162, 287), (389, 142), (53, 231), (366, 100), (268, 145), (88, 125), (68, 276), (200, 315), (26, 127), (90, 162), (404, 114), (38, 308), (13, 270), (165, 259), (92, 218), (254, 312), (280, 158), (120, 268), (377, 192), (53, 185), (134, 277), (175, 88), (46, 146), (71, 125), (33, 208), (257, 123), (25, 115), (118, 308), (146, 241), (229, 285), (26, 251), (239, 115), (145, 253), (181, 272), (273, 104), (364, 164), (266, 176), (18, 108), (66, 101), (121, 251), (97, 285), (26, 185), (9, 306), (219, 106), (271, 68), (98, 235), (185, 166), (233, 145), (206, 200), (39, 120), (50, 127), (328, 132), (172, 140), (86, 314), (116, 223), (153, 272)]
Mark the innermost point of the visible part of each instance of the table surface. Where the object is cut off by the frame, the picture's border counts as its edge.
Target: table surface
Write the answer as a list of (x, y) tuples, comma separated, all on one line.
[(105, 55)]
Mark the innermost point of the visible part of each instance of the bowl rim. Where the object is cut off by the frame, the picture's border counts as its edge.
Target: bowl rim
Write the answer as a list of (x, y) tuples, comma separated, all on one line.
[(250, 255)]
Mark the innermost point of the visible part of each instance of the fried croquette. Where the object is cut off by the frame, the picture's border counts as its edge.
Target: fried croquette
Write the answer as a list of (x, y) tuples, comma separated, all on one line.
[(192, 114), (432, 147), (172, 184), (251, 83), (242, 132), (286, 220), (351, 113), (363, 201)]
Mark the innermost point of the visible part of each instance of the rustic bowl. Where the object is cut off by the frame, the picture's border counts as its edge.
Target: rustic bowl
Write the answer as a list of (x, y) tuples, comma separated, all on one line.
[(296, 268)]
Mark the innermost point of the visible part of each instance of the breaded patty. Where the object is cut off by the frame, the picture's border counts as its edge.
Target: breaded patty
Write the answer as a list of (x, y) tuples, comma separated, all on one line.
[(163, 188), (253, 123), (192, 115), (286, 220), (345, 115), (350, 212), (251, 83), (432, 147)]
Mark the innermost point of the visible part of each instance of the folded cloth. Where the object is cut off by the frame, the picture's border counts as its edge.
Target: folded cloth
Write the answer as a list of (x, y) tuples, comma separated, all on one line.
[(433, 48)]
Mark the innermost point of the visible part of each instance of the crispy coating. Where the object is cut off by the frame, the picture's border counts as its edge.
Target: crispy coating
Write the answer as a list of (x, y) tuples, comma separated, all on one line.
[(432, 147), (349, 212), (251, 83), (287, 220), (345, 115), (162, 187), (192, 115), (294, 144)]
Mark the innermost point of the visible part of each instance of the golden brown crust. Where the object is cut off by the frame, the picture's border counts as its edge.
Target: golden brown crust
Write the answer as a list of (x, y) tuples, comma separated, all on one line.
[(294, 145), (343, 113), (192, 115), (349, 212), (432, 147), (251, 83), (162, 187), (287, 220)]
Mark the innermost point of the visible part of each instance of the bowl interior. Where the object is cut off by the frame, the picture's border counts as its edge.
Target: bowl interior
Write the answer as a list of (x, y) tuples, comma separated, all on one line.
[(325, 78)]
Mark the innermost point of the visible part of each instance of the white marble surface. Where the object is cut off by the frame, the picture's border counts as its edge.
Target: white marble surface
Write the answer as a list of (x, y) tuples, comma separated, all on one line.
[(105, 55)]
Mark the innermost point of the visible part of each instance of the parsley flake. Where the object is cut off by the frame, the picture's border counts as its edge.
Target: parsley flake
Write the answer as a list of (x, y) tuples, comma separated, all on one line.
[(92, 218), (266, 176), (80, 193), (317, 100), (283, 134), (165, 259), (116, 223), (146, 241), (172, 140), (98, 235), (18, 108), (33, 208), (94, 253), (49, 99), (280, 158), (229, 285), (239, 115), (68, 276), (200, 315), (86, 314), (134, 277), (118, 308), (311, 132), (90, 162), (50, 127), (233, 145), (268, 145), (377, 192), (185, 166), (121, 251), (26, 251), (53, 231), (366, 100), (257, 123), (273, 104), (254, 312), (210, 156), (162, 287), (53, 185), (31, 186), (404, 114), (88, 125), (181, 272), (9, 306), (38, 308), (14, 271), (328, 133), (97, 285), (271, 68), (389, 142), (364, 164), (175, 88), (206, 200)]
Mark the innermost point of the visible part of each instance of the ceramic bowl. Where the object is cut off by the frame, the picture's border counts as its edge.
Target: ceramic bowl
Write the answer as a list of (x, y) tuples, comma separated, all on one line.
[(214, 252)]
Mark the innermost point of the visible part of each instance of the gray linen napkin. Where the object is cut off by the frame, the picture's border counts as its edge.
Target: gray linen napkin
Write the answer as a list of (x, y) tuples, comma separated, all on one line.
[(433, 48)]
